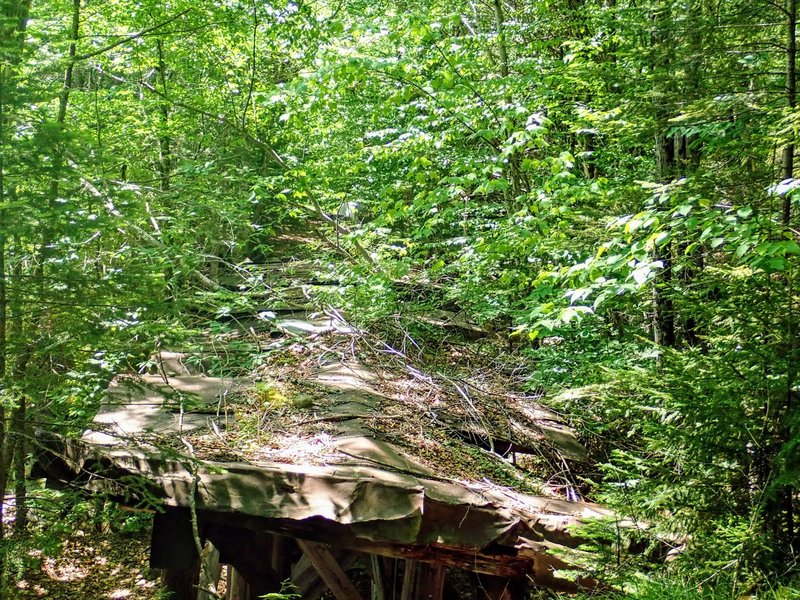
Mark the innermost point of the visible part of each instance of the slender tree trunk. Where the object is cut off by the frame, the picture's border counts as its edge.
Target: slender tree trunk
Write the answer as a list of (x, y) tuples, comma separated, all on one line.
[(663, 309), (786, 501), (20, 427), (164, 141), (12, 39), (512, 170), (788, 427), (16, 436), (61, 118), (791, 98), (499, 22), (3, 318)]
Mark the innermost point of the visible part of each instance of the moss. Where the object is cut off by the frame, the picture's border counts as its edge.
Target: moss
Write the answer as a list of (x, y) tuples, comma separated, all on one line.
[(268, 395)]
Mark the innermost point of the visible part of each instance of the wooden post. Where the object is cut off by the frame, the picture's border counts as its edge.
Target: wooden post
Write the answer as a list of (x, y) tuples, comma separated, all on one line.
[(330, 571), (378, 585), (409, 580), (209, 573), (430, 582), (238, 588), (280, 556), (423, 581), (180, 584)]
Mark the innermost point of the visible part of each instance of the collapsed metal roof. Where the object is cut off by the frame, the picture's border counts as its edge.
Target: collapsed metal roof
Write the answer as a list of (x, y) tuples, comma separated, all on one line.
[(351, 464)]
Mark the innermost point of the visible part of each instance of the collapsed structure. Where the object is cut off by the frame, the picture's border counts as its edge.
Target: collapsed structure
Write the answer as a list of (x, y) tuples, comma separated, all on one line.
[(332, 483)]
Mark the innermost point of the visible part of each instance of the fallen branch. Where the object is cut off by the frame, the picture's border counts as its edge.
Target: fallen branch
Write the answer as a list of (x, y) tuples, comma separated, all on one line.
[(336, 418)]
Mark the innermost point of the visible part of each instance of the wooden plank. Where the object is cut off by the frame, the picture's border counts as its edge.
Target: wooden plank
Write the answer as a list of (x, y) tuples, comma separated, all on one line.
[(309, 584), (409, 581), (302, 568), (378, 585), (210, 571), (422, 581), (330, 571), (280, 556), (430, 582), (238, 588), (305, 576), (180, 584)]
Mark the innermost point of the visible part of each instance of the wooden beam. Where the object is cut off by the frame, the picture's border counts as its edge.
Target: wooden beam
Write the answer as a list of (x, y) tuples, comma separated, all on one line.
[(409, 580), (305, 576), (238, 588), (330, 571), (280, 556), (422, 581), (430, 582), (378, 591), (210, 571), (180, 584)]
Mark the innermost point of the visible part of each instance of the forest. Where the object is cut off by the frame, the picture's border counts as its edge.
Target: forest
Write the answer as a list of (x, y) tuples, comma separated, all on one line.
[(598, 194)]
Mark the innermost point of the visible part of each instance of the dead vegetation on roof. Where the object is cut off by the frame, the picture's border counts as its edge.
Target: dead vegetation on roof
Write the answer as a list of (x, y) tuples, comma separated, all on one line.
[(340, 382)]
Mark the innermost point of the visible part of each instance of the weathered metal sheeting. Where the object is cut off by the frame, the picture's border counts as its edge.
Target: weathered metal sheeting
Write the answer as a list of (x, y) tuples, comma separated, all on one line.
[(135, 406), (360, 491), (378, 510)]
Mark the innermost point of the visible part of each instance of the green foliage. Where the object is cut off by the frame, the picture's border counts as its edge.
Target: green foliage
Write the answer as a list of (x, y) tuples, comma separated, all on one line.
[(288, 592), (656, 290), (601, 183)]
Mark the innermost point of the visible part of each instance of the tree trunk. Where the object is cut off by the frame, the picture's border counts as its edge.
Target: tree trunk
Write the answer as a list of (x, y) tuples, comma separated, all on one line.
[(512, 170), (19, 423), (499, 20), (164, 140), (791, 98), (3, 319), (781, 513), (665, 155), (12, 39), (663, 308)]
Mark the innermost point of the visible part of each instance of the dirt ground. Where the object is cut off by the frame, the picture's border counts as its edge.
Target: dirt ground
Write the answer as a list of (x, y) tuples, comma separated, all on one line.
[(92, 565)]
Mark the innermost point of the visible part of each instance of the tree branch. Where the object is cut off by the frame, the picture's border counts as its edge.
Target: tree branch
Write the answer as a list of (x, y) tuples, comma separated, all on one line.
[(131, 36)]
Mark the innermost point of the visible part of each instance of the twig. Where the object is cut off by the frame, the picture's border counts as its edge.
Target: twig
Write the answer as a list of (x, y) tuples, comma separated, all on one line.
[(131, 37), (335, 418)]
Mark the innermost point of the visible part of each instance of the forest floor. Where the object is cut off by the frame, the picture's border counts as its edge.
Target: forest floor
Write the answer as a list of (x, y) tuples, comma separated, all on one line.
[(424, 412), (91, 563)]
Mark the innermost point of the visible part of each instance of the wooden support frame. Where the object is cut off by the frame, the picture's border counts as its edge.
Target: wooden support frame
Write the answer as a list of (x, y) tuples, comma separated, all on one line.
[(210, 571), (238, 588), (422, 581), (307, 579), (430, 582), (280, 556), (181, 584), (332, 574), (377, 579), (260, 558)]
